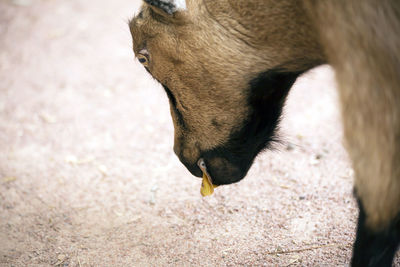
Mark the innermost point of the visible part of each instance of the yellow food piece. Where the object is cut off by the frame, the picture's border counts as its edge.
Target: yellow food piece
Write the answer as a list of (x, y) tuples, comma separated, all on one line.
[(206, 187)]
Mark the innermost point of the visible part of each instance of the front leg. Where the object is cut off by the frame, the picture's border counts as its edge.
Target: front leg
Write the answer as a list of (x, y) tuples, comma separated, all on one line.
[(375, 248)]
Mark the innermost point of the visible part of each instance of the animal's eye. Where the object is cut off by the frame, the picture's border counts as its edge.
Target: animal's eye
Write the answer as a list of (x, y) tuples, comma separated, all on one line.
[(143, 59)]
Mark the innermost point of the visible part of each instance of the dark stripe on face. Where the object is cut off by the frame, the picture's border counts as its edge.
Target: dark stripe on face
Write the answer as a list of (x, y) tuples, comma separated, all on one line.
[(170, 95), (178, 114), (172, 99)]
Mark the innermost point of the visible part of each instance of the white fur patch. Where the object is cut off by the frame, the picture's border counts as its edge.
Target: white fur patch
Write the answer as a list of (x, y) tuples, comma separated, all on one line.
[(169, 6), (179, 4), (175, 5)]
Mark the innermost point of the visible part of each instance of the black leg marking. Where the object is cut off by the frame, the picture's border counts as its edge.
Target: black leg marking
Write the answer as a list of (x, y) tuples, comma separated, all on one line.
[(373, 248)]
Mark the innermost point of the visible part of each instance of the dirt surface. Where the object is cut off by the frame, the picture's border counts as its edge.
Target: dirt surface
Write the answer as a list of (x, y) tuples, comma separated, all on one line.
[(87, 172)]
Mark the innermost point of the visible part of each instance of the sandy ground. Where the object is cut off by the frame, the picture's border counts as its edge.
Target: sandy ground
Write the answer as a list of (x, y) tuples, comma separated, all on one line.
[(87, 172)]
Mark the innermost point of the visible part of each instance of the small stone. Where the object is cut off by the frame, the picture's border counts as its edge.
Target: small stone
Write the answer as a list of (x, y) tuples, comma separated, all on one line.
[(71, 159), (154, 188), (314, 160), (9, 179), (152, 200), (22, 2), (103, 169), (48, 118), (290, 147)]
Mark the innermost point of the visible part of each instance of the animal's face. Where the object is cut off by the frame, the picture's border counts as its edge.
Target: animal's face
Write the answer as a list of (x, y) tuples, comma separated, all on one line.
[(225, 98)]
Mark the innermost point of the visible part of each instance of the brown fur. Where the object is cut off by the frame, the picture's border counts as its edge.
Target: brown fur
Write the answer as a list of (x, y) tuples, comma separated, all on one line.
[(362, 42), (208, 54)]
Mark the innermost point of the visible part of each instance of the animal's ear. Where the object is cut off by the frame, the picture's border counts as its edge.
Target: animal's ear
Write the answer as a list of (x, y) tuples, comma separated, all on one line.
[(168, 6)]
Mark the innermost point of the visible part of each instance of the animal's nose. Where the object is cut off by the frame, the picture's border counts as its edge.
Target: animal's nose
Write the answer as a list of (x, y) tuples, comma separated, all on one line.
[(190, 164)]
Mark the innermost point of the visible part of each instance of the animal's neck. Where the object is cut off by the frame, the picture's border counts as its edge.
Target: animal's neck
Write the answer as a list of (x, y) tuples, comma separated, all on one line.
[(277, 30)]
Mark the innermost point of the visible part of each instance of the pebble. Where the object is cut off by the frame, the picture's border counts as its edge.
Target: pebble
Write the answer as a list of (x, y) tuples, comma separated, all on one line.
[(290, 147), (22, 2)]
